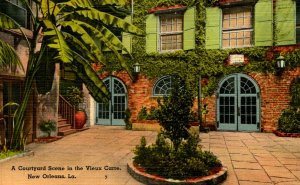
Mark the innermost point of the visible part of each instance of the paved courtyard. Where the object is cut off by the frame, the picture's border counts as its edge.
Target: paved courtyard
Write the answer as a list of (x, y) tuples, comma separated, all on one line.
[(98, 156)]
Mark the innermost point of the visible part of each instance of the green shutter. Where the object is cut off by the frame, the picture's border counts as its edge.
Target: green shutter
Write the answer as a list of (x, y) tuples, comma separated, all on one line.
[(263, 26), (213, 28), (285, 22), (151, 33), (189, 29), (126, 37)]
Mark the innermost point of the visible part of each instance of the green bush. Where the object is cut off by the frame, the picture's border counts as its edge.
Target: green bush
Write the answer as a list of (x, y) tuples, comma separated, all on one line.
[(289, 121), (128, 124), (142, 115), (174, 111), (47, 126), (162, 159)]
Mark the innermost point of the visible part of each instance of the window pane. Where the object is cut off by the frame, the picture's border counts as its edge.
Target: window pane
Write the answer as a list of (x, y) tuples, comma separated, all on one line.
[(232, 23), (240, 42), (226, 24), (232, 42), (247, 42), (225, 43)]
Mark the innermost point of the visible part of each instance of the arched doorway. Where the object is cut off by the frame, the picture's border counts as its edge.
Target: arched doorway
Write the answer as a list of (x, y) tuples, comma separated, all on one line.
[(113, 113), (238, 104)]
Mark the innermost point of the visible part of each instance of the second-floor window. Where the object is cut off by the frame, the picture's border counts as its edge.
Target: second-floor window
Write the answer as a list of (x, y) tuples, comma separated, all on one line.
[(297, 21), (237, 27), (171, 32)]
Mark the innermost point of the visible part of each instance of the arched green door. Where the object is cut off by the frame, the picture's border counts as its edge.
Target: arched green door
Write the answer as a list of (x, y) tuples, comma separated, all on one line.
[(238, 104), (113, 113)]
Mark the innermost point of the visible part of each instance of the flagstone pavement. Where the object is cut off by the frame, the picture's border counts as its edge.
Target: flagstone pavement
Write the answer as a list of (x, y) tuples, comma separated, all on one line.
[(251, 158)]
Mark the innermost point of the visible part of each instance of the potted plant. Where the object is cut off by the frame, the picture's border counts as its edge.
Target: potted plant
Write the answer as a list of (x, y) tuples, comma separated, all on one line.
[(75, 96), (47, 126)]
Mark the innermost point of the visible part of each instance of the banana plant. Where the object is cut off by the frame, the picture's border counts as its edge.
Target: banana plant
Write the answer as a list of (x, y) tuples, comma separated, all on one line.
[(74, 33)]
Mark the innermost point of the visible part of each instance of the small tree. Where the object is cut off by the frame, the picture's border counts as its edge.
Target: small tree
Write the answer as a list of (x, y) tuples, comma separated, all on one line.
[(174, 111)]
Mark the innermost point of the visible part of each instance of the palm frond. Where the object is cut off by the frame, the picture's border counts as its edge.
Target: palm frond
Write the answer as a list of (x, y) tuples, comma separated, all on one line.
[(95, 3), (108, 19), (90, 78), (57, 41), (49, 7), (86, 37), (9, 59)]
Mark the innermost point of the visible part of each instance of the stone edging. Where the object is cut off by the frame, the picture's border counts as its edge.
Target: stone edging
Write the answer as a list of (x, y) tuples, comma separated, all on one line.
[(151, 179), (25, 153), (284, 134)]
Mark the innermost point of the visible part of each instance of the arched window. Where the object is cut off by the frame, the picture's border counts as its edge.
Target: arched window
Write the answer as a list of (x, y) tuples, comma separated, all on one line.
[(162, 86)]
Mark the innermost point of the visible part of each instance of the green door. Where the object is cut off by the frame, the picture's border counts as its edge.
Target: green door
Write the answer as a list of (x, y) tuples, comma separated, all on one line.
[(238, 104), (113, 113)]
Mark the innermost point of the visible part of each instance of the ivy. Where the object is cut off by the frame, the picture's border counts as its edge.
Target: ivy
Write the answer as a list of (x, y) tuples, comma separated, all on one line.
[(210, 64)]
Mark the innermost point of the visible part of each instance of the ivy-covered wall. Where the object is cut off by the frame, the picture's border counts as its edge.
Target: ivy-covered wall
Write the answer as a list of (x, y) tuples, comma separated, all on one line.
[(211, 64)]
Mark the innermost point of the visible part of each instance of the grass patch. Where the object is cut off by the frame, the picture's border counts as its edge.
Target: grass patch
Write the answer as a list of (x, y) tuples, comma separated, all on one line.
[(9, 153)]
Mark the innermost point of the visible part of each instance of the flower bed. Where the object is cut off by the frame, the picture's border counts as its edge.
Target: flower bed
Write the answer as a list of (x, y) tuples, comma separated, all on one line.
[(216, 176)]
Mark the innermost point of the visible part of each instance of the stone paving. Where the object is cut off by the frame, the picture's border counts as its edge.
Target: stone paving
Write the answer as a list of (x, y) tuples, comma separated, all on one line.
[(256, 158), (251, 158)]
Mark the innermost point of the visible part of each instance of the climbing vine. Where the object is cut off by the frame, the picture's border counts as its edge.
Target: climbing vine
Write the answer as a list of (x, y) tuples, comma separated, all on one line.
[(211, 64)]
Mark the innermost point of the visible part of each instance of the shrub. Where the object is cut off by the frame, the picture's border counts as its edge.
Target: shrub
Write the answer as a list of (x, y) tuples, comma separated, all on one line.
[(162, 159), (153, 114), (295, 93), (128, 124), (75, 96), (174, 111), (142, 115), (289, 121), (47, 126)]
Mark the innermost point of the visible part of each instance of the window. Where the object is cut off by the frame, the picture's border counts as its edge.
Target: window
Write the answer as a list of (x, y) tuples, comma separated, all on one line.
[(297, 22), (170, 28), (237, 27), (171, 32), (162, 86)]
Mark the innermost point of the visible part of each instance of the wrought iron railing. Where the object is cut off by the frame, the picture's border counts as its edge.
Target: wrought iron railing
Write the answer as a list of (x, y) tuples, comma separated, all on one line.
[(66, 110)]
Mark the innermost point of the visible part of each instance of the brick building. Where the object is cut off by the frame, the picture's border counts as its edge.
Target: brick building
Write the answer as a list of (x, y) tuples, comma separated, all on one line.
[(230, 35)]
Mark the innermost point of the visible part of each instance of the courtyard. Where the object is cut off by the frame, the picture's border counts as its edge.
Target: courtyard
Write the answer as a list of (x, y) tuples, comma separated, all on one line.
[(99, 155)]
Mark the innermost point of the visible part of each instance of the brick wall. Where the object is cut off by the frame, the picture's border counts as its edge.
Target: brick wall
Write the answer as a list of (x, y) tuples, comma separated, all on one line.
[(274, 96)]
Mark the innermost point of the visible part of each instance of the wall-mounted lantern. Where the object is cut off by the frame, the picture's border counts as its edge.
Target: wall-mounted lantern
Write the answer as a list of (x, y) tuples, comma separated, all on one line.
[(280, 65), (280, 62), (136, 67)]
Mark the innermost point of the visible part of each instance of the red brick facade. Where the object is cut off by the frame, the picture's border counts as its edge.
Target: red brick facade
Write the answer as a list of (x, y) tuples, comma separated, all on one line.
[(274, 96)]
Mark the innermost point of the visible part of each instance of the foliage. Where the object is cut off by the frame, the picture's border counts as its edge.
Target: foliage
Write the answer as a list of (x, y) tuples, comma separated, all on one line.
[(8, 153), (289, 121), (75, 96), (153, 113), (74, 33), (142, 115), (162, 159), (128, 124), (174, 111), (47, 126), (8, 57), (295, 93)]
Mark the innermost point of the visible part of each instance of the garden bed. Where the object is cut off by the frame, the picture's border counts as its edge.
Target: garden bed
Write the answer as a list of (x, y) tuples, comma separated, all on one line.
[(284, 134), (216, 176)]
